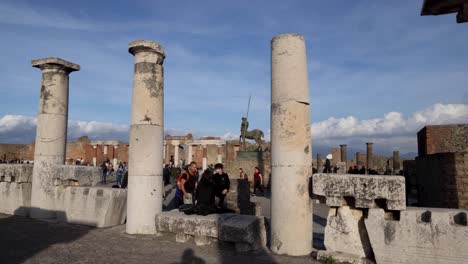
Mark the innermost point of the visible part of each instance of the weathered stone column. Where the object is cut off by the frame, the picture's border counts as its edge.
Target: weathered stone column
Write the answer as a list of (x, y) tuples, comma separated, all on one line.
[(396, 162), (176, 152), (190, 151), (95, 156), (319, 163), (291, 158), (205, 158), (357, 159), (145, 182), (344, 153), (370, 161), (51, 132), (115, 155), (220, 157), (335, 156)]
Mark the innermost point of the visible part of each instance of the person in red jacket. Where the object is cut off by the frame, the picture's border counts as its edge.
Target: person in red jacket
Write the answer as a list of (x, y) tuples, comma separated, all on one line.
[(258, 181)]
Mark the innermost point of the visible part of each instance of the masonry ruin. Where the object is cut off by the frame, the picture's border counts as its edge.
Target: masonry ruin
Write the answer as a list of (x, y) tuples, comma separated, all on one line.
[(368, 219)]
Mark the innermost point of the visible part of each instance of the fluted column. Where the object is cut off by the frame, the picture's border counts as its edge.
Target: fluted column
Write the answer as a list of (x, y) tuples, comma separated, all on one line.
[(51, 132), (144, 200), (291, 158)]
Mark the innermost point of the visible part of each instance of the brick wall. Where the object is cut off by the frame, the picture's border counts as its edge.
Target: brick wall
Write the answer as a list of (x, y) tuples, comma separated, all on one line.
[(443, 138), (443, 180)]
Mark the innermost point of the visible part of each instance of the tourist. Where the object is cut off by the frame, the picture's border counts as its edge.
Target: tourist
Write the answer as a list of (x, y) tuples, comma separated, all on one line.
[(188, 183), (110, 169), (242, 174), (258, 181), (205, 196), (166, 175), (327, 166), (104, 172), (362, 170), (119, 173), (222, 184)]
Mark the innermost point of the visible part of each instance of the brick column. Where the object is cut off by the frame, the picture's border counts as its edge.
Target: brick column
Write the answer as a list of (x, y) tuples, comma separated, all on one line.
[(370, 156)]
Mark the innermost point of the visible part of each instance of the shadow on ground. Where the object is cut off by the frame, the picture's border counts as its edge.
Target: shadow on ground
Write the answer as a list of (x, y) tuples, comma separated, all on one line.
[(22, 237)]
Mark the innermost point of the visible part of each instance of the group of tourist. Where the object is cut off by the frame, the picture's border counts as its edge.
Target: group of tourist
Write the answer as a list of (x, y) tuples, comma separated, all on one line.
[(121, 173), (197, 196)]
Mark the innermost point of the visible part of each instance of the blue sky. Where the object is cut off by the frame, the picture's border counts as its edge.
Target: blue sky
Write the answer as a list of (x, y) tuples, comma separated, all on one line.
[(366, 59)]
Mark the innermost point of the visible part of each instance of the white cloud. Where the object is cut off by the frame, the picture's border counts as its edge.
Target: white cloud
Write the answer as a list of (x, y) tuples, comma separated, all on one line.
[(392, 131)]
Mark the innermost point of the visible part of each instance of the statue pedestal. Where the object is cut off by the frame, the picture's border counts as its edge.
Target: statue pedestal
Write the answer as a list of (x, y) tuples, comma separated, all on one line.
[(251, 154)]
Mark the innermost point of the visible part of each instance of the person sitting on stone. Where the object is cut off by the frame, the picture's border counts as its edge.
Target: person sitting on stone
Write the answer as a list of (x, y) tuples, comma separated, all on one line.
[(205, 196), (222, 184)]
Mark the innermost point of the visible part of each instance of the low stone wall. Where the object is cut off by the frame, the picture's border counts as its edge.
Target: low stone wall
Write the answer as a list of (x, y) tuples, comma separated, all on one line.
[(91, 206), (16, 173), (361, 191), (246, 232), (85, 175), (387, 235), (15, 188), (422, 235), (15, 198)]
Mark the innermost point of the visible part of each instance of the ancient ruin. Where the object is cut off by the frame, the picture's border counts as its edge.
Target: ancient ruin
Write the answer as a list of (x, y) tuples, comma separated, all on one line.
[(368, 215)]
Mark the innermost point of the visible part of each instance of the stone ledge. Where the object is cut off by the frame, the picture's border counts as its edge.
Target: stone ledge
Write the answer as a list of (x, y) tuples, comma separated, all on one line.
[(365, 191), (422, 235), (91, 206), (19, 173), (15, 198), (245, 231), (85, 175)]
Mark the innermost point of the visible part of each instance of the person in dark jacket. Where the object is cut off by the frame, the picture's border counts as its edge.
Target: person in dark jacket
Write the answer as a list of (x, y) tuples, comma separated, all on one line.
[(222, 184)]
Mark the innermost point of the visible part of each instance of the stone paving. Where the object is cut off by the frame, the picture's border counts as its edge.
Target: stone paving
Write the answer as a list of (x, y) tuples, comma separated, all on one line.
[(25, 240)]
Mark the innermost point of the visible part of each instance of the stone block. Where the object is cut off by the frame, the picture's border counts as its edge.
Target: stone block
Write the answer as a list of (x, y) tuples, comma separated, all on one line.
[(361, 191), (16, 173), (182, 238), (345, 232), (85, 175), (422, 235), (91, 206), (231, 228), (15, 198), (341, 168), (341, 257)]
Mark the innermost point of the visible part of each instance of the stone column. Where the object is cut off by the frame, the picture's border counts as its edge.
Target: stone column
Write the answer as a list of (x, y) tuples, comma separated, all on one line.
[(95, 156), (164, 151), (115, 154), (205, 158), (344, 153), (319, 163), (357, 159), (396, 162), (370, 161), (176, 144), (220, 157), (190, 151), (291, 158), (51, 132), (145, 184), (335, 156)]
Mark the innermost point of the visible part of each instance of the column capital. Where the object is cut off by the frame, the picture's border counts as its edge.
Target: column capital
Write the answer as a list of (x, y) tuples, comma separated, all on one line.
[(147, 46), (55, 64), (343, 145), (369, 143)]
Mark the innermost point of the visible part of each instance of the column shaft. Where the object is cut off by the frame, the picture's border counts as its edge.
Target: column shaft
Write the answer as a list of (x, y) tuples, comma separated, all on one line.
[(319, 163), (291, 158), (396, 162), (370, 158), (51, 132), (144, 198)]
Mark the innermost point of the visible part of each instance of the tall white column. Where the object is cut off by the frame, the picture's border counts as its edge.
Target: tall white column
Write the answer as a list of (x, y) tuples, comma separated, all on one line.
[(291, 150), (190, 153), (144, 197), (51, 132), (114, 162), (94, 156), (205, 158), (220, 157), (176, 144)]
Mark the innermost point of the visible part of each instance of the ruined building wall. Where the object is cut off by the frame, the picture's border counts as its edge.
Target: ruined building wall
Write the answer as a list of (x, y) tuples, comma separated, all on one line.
[(443, 180), (443, 138), (16, 151)]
